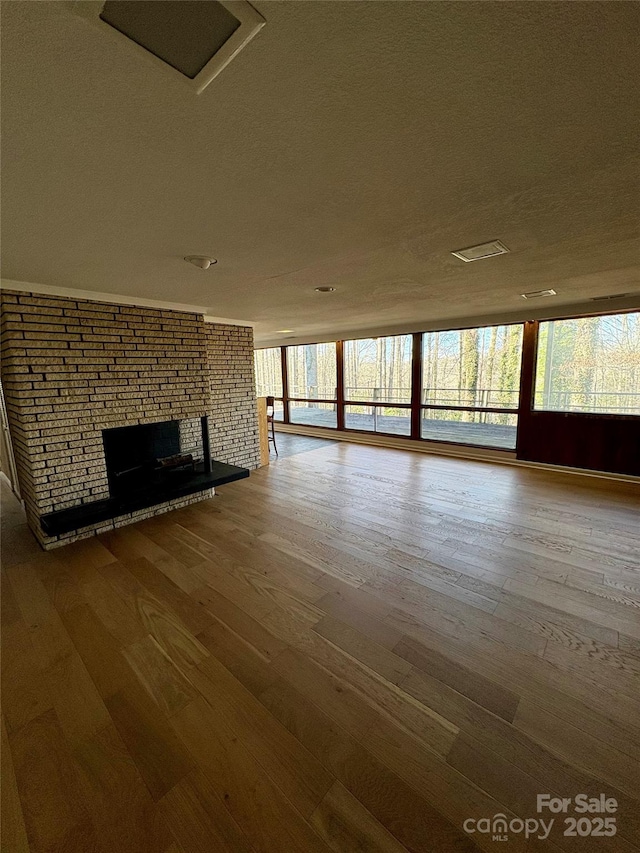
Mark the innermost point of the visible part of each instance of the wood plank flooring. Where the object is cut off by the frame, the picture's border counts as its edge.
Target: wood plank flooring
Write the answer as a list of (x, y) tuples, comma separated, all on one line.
[(356, 649)]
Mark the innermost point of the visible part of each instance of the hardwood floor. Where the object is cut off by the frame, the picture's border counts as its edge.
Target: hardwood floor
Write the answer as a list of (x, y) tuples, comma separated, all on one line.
[(357, 649)]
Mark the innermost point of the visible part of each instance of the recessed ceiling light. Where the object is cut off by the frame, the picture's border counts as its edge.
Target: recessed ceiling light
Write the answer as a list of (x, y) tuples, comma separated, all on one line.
[(536, 294), (283, 331), (324, 289), (483, 250), (201, 261)]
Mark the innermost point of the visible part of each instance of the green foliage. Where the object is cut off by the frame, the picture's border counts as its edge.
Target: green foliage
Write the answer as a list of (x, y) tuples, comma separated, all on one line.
[(472, 367), (590, 364)]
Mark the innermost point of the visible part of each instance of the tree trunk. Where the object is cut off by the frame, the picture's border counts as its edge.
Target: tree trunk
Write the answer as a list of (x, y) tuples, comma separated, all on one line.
[(469, 369), (311, 371)]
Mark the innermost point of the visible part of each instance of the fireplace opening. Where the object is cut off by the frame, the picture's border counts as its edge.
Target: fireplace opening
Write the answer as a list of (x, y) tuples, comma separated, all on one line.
[(158, 455)]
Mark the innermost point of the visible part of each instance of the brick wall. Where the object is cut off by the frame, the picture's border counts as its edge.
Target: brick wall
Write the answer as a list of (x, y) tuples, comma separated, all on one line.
[(71, 368), (233, 425)]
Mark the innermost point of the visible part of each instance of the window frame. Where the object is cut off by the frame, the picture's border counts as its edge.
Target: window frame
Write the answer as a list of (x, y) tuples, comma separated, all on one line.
[(525, 394), (534, 377)]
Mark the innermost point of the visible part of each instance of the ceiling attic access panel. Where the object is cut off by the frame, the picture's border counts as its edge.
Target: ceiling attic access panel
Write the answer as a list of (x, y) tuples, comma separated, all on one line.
[(195, 39)]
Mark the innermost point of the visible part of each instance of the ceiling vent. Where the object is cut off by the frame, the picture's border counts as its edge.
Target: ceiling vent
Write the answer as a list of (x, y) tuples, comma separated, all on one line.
[(484, 250), (613, 296), (536, 294), (192, 39)]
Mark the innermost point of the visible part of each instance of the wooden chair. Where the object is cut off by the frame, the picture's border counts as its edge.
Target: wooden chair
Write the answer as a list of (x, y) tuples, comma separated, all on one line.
[(271, 404)]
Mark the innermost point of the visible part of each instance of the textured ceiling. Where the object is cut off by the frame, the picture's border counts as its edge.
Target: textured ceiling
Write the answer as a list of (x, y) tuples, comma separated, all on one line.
[(350, 144)]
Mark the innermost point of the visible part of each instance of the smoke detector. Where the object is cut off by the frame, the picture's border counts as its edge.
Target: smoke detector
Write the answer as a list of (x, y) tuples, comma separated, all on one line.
[(201, 261), (194, 40), (481, 251)]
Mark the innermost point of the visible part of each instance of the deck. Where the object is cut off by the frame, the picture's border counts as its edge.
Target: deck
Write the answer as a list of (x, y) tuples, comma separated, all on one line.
[(489, 435)]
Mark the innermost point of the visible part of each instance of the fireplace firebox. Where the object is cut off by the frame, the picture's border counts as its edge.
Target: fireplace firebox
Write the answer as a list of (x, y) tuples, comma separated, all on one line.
[(159, 455)]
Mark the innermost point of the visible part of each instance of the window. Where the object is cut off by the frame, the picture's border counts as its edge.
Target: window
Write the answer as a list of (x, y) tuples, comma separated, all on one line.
[(484, 428), (268, 366), (378, 371), (590, 364), (471, 384), (312, 376), (310, 413), (472, 367), (312, 371), (470, 391), (268, 372), (388, 419)]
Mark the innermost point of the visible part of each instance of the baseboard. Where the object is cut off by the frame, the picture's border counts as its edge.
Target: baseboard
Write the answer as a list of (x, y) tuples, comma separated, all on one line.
[(479, 454)]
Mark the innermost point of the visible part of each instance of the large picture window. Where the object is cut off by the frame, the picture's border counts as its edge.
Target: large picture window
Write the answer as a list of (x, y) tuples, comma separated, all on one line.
[(377, 384), (268, 372), (589, 364), (470, 385), (459, 386), (268, 367), (378, 369), (312, 375)]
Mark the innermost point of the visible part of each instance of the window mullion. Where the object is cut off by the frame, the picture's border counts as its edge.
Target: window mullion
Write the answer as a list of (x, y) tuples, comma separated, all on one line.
[(416, 384), (340, 383)]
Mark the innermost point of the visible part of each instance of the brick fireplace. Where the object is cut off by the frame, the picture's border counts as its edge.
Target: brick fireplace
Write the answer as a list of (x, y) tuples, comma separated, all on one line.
[(72, 369)]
